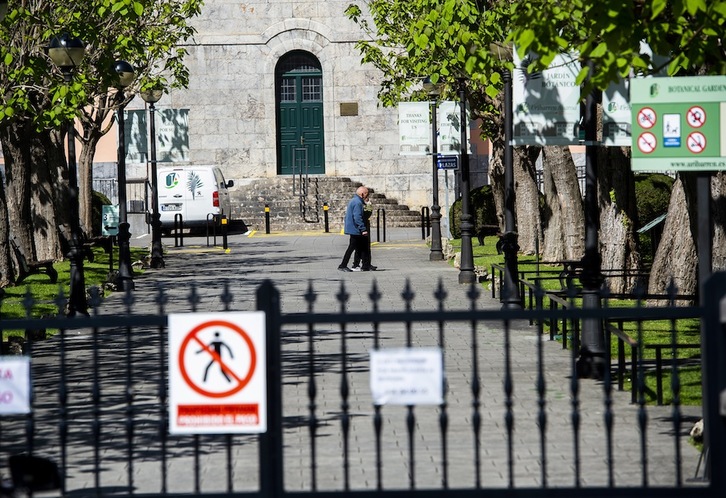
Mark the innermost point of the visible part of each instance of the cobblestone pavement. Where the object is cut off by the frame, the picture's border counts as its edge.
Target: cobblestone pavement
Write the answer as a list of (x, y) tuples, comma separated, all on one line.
[(194, 279)]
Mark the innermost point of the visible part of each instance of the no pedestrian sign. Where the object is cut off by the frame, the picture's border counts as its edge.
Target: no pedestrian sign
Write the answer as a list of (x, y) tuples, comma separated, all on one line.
[(217, 373)]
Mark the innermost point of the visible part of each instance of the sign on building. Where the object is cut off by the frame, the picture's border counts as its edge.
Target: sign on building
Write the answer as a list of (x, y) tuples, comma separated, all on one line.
[(217, 373), (679, 124), (546, 104), (172, 135)]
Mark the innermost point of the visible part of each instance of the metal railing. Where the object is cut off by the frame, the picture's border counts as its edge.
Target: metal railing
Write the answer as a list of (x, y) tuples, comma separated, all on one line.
[(505, 427)]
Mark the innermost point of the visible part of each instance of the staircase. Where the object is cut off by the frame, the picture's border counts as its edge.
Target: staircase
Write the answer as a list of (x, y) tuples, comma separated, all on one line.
[(302, 208)]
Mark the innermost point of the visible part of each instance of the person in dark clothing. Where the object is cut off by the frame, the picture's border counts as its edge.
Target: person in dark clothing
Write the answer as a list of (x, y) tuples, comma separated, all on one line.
[(355, 226), (364, 256)]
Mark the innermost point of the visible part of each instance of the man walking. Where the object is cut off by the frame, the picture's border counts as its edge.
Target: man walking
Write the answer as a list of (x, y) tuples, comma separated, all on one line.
[(355, 226)]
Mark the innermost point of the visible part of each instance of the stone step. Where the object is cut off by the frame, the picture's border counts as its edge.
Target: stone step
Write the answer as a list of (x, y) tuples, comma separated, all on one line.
[(284, 202)]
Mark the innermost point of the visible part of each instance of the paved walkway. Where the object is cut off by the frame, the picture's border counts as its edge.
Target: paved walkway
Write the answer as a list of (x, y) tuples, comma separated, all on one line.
[(295, 262)]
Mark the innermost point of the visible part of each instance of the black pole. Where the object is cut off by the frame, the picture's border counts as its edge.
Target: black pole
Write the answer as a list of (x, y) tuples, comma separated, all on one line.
[(510, 287), (591, 362), (466, 268), (124, 280), (436, 254), (267, 218), (77, 302), (325, 215), (157, 251), (705, 240)]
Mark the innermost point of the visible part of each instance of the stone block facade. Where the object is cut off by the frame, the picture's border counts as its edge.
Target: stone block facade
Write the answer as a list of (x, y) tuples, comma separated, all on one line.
[(232, 99)]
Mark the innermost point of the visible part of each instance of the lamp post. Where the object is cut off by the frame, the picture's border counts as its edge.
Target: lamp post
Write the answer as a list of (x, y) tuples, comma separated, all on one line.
[(466, 267), (591, 361), (67, 53), (510, 285), (125, 279), (151, 97), (436, 254)]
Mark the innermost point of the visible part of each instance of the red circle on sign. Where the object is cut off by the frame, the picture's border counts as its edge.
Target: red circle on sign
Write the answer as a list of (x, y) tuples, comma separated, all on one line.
[(647, 118), (696, 116), (241, 382), (696, 142), (647, 142)]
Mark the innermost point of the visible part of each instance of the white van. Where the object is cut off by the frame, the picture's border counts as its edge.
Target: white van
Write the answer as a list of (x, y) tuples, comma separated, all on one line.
[(197, 193)]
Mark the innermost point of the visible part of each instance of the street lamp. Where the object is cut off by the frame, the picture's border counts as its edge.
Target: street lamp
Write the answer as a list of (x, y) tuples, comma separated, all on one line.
[(591, 361), (466, 267), (510, 285), (436, 254), (124, 281), (157, 252), (67, 53)]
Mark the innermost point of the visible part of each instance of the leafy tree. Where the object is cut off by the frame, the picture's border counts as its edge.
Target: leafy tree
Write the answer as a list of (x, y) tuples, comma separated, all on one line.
[(37, 102), (453, 42), (608, 35)]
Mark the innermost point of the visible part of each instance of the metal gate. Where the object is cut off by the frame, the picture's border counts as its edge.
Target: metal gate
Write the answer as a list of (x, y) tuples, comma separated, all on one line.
[(511, 424)]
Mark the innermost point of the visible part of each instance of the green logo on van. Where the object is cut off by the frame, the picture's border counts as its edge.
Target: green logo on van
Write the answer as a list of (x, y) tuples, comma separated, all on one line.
[(171, 180)]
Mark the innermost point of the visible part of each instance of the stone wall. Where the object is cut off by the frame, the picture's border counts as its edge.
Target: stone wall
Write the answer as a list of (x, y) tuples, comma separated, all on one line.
[(231, 95)]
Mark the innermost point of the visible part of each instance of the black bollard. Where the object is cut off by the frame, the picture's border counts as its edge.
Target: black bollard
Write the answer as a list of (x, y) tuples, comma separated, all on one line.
[(325, 215), (267, 218)]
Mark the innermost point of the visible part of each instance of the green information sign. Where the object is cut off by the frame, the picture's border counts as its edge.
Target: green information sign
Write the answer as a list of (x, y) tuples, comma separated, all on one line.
[(679, 124)]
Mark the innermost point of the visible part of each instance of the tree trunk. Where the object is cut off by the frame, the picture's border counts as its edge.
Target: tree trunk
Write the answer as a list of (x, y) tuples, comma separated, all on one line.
[(618, 217), (676, 257), (20, 147), (36, 193), (6, 268), (718, 215), (529, 220), (563, 217)]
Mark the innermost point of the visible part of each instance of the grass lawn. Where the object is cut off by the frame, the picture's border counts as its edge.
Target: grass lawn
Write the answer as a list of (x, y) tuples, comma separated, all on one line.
[(45, 298), (647, 333)]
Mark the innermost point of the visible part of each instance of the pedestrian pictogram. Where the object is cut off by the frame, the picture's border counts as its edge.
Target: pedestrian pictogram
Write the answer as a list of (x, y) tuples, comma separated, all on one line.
[(696, 142), (646, 118), (696, 116), (217, 381), (647, 143)]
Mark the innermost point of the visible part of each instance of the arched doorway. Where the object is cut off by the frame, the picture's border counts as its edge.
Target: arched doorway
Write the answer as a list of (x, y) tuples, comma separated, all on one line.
[(299, 97)]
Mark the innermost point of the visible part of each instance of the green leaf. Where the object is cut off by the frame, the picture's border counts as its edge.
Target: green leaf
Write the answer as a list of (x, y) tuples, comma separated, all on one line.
[(138, 8), (8, 59), (658, 6)]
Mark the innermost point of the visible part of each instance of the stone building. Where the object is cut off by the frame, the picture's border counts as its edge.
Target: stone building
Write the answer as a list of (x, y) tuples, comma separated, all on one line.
[(277, 87)]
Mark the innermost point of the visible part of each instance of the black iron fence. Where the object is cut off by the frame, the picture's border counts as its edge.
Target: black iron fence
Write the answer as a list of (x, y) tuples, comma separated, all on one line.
[(514, 421)]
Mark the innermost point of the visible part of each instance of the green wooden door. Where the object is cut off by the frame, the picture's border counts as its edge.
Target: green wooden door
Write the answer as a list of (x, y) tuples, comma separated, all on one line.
[(300, 115)]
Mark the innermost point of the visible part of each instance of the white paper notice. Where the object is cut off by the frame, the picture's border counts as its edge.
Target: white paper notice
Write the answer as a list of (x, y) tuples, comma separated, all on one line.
[(407, 376)]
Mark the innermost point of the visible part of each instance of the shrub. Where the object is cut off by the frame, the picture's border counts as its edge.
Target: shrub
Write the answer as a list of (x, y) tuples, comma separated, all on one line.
[(483, 210)]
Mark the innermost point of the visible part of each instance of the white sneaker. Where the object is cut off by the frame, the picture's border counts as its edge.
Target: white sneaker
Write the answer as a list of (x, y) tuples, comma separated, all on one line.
[(356, 268)]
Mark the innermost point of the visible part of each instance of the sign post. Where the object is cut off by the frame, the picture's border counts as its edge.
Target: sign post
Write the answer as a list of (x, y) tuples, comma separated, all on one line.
[(217, 382)]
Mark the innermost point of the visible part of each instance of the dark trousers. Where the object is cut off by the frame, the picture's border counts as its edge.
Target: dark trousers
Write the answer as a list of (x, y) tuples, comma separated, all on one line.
[(363, 258), (356, 243)]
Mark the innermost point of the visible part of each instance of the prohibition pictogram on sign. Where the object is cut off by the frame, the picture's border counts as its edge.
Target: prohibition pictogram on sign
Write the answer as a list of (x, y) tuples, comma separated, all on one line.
[(696, 142), (696, 116), (214, 346), (647, 118), (647, 143)]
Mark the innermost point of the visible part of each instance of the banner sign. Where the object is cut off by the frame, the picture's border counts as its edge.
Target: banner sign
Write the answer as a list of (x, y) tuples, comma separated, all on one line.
[(414, 126), (679, 124), (172, 136), (546, 104)]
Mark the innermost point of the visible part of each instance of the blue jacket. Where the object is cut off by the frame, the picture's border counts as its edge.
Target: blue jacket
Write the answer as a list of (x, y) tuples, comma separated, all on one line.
[(354, 221)]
